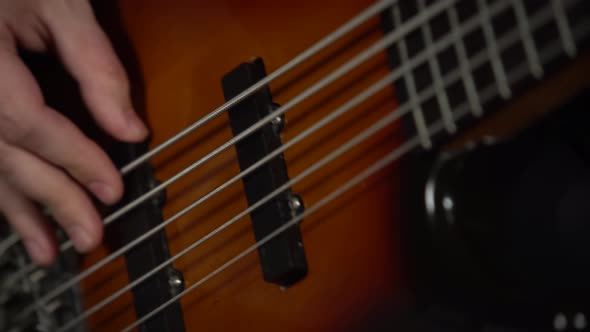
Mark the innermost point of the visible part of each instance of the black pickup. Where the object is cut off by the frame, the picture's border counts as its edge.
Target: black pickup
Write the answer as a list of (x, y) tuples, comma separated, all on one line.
[(283, 258)]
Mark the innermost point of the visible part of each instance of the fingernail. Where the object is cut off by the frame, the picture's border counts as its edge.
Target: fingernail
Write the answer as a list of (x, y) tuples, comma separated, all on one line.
[(136, 127), (37, 252), (104, 192), (80, 237)]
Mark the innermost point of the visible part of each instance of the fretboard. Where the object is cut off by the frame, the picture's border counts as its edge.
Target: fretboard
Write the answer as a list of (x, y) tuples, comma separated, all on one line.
[(474, 55)]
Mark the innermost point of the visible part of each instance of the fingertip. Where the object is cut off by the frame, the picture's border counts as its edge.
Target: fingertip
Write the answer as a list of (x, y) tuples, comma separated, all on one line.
[(108, 194), (89, 55), (136, 130), (121, 122), (85, 237)]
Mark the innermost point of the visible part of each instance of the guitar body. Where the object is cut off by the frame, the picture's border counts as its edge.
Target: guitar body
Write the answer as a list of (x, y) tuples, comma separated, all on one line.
[(180, 52), (360, 248)]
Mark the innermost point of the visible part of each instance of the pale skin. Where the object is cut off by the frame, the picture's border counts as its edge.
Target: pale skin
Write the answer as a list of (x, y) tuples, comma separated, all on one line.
[(44, 158)]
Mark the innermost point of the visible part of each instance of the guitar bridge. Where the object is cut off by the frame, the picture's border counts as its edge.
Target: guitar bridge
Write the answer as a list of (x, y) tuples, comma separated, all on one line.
[(282, 258), (18, 292)]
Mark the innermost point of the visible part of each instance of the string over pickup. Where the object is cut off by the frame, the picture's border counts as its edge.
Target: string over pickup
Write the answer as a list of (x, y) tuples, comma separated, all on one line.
[(282, 259)]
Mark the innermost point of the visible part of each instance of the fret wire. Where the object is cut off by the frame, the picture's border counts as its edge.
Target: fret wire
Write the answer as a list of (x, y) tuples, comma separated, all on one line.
[(470, 89), (443, 100), (527, 39), (417, 113), (496, 62), (564, 29)]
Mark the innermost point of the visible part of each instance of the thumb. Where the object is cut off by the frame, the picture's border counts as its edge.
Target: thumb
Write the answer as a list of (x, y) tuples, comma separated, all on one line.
[(89, 57)]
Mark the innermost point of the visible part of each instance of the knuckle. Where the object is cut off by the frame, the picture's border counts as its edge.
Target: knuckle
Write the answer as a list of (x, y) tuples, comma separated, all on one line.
[(15, 129)]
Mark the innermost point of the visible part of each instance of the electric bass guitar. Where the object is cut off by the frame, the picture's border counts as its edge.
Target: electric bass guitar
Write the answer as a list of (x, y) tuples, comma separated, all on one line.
[(383, 165)]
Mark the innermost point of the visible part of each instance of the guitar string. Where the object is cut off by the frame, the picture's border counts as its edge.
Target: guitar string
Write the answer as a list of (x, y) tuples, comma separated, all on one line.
[(490, 92), (345, 29), (382, 123), (403, 110), (476, 62), (406, 67), (379, 165), (320, 45), (374, 168), (549, 52), (373, 50)]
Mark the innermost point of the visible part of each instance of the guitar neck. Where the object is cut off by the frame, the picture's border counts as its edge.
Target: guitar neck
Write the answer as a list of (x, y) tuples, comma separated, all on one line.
[(475, 56)]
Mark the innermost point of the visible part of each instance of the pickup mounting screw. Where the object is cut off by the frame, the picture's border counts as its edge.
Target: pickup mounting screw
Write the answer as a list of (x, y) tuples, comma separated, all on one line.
[(296, 204), (278, 123), (176, 281)]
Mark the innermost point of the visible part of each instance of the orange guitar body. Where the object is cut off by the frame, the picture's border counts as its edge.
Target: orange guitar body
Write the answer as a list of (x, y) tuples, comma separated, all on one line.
[(176, 53)]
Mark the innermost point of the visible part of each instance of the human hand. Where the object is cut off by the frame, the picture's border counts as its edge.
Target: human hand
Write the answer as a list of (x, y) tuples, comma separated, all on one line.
[(45, 158)]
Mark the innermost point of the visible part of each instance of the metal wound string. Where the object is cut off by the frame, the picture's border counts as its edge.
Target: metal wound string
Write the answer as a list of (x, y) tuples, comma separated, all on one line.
[(333, 155), (379, 46), (113, 256), (449, 79), (346, 28), (329, 39), (512, 38), (382, 163), (549, 51), (315, 127), (342, 109)]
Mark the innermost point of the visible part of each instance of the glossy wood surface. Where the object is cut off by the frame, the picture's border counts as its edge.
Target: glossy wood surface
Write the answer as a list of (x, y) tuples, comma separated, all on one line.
[(180, 50)]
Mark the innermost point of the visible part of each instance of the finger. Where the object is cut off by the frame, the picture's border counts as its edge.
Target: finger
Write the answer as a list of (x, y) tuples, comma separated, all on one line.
[(25, 25), (29, 224), (26, 121), (51, 187), (89, 56)]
